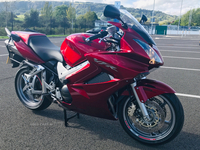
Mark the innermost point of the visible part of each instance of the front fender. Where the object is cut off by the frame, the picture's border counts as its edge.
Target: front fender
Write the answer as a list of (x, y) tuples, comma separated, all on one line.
[(147, 89), (152, 88)]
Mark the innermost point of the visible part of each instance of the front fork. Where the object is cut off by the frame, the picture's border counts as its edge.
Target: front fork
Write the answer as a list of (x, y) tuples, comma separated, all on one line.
[(141, 105)]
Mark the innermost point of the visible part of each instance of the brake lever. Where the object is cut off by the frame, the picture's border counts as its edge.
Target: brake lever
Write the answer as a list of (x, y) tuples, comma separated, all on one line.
[(101, 39)]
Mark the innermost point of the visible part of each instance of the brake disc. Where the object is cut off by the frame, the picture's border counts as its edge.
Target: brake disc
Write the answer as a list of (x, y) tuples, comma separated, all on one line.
[(156, 121)]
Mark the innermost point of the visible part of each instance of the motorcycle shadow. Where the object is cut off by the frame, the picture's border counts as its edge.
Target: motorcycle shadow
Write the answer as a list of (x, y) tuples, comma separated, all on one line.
[(112, 130)]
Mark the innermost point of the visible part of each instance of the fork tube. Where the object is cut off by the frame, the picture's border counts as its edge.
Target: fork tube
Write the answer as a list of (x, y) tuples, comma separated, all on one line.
[(44, 89), (141, 105)]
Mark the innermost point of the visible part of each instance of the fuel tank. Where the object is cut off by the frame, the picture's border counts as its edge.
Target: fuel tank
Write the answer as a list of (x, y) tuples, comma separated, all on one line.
[(74, 48)]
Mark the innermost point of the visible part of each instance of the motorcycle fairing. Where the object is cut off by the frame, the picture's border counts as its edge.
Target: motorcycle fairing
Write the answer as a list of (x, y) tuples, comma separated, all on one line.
[(37, 47), (27, 52), (92, 99), (26, 35), (74, 47), (118, 64)]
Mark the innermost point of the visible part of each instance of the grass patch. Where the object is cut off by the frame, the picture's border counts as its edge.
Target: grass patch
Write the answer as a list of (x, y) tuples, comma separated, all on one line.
[(20, 18), (3, 37), (57, 35)]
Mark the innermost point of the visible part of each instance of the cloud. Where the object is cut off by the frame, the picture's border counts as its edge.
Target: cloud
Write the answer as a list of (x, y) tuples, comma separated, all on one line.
[(167, 6), (170, 6)]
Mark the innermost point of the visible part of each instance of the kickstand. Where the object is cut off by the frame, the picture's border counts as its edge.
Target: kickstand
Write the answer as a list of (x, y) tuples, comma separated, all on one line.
[(66, 119)]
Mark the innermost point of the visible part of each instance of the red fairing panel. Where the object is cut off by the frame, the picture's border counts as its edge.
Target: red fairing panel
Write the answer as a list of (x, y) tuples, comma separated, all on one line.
[(91, 99), (27, 52), (74, 48), (22, 47), (117, 65), (25, 35)]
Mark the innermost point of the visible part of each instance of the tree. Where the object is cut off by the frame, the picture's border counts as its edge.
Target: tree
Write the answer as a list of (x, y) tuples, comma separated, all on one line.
[(3, 19), (60, 15), (71, 14), (185, 19), (195, 20), (8, 6), (46, 15), (196, 17), (81, 21), (90, 16), (31, 19)]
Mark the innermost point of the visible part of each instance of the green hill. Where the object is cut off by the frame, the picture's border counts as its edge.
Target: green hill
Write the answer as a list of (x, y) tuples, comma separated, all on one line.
[(21, 7)]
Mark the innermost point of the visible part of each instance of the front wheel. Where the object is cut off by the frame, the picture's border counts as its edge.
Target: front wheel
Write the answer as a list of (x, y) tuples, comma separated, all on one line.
[(24, 89), (166, 119)]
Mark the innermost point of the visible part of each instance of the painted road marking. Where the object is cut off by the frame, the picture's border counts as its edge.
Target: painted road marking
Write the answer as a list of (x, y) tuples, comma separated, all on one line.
[(188, 47), (177, 68), (166, 67), (181, 57), (179, 51), (2, 46), (165, 38), (3, 55), (188, 95)]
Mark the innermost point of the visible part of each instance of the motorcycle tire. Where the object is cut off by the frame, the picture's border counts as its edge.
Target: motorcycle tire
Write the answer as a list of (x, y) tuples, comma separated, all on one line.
[(29, 100), (166, 119)]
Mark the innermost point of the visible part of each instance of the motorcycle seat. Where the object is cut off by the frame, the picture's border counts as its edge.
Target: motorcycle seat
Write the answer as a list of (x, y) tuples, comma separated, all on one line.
[(44, 48)]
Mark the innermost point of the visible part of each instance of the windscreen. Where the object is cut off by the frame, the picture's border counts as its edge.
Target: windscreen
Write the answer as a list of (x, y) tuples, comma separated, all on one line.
[(130, 20)]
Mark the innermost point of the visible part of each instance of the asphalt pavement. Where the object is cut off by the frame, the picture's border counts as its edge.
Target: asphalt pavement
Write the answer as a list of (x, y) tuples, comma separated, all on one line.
[(22, 128)]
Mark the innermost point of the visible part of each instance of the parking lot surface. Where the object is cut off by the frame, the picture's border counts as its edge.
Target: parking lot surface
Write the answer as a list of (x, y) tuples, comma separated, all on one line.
[(22, 128)]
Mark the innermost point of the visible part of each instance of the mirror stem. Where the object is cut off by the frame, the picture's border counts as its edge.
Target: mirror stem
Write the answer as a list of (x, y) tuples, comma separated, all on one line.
[(124, 25)]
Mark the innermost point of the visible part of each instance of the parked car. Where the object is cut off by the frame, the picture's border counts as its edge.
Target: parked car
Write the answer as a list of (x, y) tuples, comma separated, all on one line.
[(96, 30)]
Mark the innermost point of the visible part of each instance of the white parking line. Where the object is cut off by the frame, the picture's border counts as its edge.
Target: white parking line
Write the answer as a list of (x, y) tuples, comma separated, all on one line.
[(179, 45), (166, 67), (180, 51), (3, 55), (177, 68), (2, 46), (181, 57), (183, 47), (188, 95)]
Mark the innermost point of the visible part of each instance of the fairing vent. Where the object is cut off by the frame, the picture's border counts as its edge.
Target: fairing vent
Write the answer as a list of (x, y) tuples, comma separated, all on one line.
[(103, 77)]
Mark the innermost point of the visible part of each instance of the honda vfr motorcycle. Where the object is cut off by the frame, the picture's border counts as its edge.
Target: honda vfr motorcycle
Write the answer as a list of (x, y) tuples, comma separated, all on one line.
[(102, 75)]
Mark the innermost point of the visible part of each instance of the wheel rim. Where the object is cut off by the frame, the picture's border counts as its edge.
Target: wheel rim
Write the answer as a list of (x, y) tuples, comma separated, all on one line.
[(24, 90), (157, 128)]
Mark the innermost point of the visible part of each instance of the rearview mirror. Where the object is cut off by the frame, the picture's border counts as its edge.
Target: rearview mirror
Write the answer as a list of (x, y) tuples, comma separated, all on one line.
[(111, 12)]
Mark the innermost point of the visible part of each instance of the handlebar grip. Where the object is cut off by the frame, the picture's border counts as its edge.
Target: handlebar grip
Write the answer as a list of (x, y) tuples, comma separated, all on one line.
[(93, 37), (99, 35)]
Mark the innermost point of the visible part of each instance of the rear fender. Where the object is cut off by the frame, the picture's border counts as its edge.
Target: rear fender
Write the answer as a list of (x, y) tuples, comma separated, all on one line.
[(147, 89)]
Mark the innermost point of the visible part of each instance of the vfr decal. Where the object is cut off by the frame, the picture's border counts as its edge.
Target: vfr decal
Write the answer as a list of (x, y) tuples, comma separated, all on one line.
[(106, 64)]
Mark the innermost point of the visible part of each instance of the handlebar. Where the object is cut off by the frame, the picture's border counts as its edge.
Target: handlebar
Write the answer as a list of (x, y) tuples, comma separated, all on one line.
[(101, 34)]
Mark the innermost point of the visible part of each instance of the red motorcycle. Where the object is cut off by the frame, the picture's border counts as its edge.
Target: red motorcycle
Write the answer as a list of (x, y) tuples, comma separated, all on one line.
[(102, 75)]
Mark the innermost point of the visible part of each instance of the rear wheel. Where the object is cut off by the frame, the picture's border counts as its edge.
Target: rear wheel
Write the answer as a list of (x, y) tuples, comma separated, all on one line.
[(166, 119), (30, 93)]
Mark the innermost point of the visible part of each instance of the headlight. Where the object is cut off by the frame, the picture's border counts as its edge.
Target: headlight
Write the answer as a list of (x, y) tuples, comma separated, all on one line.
[(154, 58)]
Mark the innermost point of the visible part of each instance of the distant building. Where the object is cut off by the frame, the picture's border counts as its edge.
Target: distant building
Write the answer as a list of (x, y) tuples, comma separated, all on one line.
[(172, 27), (100, 23)]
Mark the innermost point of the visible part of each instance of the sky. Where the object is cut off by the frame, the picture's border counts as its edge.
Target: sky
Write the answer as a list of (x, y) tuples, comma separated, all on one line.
[(172, 7)]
